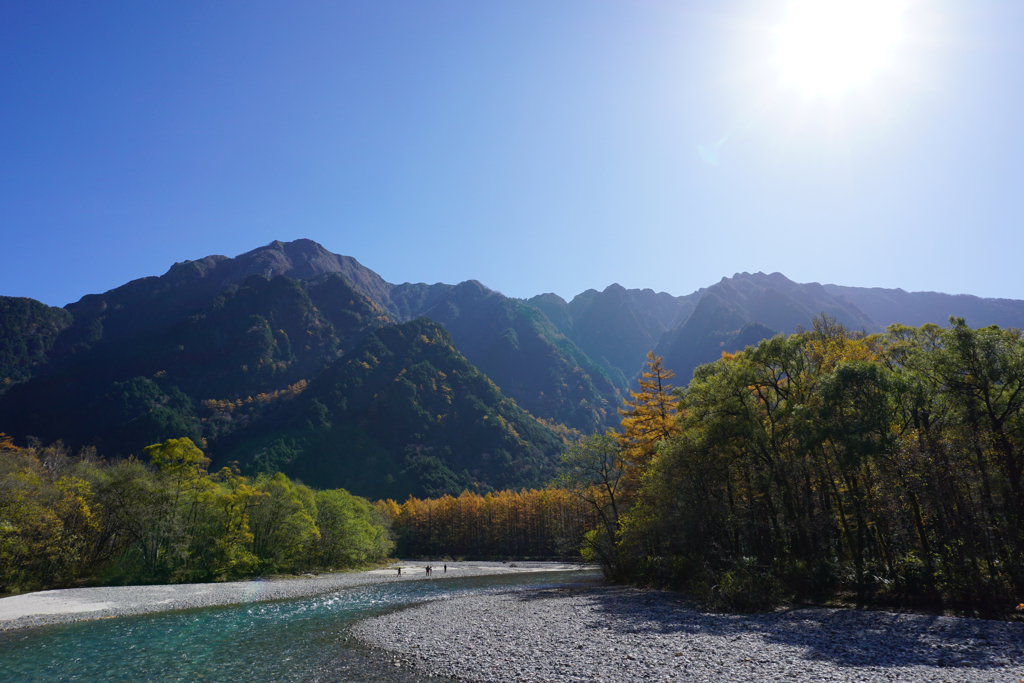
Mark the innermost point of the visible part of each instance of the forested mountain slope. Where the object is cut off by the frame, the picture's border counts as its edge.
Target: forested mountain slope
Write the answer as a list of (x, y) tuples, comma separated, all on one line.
[(28, 330), (519, 348), (525, 355), (133, 384), (157, 303), (216, 348), (403, 413)]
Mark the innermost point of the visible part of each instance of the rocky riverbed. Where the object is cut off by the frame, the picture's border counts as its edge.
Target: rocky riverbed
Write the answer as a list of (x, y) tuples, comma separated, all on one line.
[(602, 633)]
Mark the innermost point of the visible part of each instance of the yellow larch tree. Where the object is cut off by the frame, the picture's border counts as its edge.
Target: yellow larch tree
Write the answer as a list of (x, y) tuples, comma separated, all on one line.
[(649, 416)]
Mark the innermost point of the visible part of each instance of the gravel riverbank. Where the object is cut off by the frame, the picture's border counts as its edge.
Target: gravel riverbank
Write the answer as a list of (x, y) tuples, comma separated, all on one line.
[(76, 604), (603, 633)]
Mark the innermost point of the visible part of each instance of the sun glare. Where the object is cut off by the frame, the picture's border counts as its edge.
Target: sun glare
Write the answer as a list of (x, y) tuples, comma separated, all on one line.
[(827, 47)]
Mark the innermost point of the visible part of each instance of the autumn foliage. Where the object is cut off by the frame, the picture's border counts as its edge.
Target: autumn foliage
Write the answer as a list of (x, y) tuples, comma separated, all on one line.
[(547, 523), (649, 418)]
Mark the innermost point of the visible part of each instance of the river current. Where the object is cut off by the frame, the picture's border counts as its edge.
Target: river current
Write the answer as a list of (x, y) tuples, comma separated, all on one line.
[(290, 640)]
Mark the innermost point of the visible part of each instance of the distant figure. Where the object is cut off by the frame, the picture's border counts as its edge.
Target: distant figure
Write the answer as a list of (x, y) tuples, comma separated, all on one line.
[(446, 568), (399, 571)]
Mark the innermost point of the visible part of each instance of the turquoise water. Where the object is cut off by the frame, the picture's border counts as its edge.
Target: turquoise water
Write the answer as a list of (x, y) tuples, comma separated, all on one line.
[(289, 640)]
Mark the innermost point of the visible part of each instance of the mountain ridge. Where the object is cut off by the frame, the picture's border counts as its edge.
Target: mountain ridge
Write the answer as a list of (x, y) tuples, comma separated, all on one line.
[(215, 348)]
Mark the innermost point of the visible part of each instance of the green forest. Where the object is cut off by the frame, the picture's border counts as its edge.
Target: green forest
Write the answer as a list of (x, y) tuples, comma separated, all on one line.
[(886, 468), (67, 520)]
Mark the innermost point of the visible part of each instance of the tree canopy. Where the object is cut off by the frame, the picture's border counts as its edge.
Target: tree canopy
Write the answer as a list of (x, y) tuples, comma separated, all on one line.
[(887, 467)]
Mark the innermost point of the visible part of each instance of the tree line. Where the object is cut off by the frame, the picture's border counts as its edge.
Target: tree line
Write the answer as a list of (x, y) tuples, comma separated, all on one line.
[(883, 469), (67, 520), (548, 523), (887, 467)]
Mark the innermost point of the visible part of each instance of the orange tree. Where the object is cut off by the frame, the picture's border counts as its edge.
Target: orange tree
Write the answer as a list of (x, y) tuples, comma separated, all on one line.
[(648, 418)]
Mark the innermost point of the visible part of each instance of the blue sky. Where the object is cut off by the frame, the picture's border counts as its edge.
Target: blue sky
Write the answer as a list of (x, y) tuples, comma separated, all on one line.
[(534, 146)]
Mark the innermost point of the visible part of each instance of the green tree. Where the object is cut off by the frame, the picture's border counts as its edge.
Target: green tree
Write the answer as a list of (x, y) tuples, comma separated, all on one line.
[(220, 548), (283, 523), (49, 521), (179, 460), (986, 370), (352, 532), (593, 469)]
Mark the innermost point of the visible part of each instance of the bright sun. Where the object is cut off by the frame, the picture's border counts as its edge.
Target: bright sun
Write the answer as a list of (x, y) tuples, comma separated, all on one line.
[(826, 47)]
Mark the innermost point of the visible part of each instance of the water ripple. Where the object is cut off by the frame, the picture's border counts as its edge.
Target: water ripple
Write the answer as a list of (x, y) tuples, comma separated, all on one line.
[(284, 641)]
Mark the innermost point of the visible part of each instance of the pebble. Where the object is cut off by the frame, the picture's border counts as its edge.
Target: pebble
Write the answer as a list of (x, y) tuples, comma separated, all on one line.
[(614, 633)]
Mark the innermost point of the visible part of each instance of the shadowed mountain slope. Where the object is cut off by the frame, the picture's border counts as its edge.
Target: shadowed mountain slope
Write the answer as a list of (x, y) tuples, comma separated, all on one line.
[(28, 330), (215, 347), (156, 303), (403, 413), (888, 306), (529, 358), (195, 314), (231, 349), (125, 390), (556, 309), (618, 326), (744, 309), (523, 352)]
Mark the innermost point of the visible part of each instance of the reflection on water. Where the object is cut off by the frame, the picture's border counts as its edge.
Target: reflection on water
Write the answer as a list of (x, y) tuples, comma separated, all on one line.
[(290, 640)]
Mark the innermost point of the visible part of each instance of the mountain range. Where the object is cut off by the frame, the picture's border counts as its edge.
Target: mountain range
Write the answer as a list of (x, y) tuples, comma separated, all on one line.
[(292, 358)]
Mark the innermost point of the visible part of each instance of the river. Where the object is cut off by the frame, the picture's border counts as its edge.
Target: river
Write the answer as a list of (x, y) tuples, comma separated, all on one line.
[(290, 640)]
